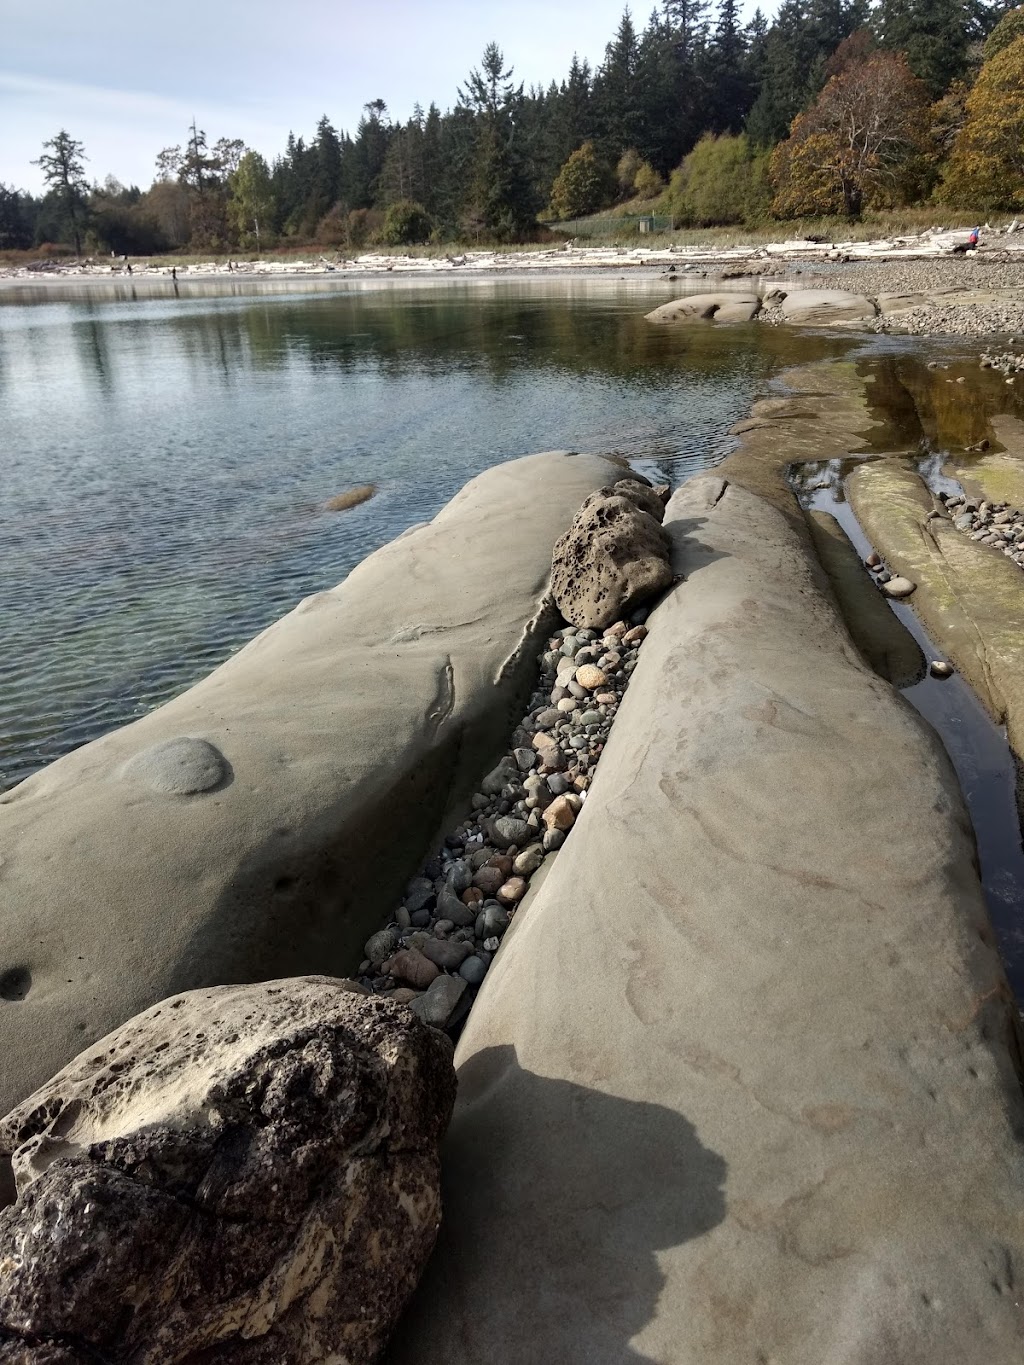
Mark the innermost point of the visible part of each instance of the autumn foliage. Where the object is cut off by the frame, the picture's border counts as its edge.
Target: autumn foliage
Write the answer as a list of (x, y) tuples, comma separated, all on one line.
[(986, 167), (858, 143)]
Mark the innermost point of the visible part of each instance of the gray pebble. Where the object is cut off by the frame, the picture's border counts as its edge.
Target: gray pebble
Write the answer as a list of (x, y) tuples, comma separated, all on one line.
[(380, 946), (553, 839), (525, 758), (473, 970), (492, 920)]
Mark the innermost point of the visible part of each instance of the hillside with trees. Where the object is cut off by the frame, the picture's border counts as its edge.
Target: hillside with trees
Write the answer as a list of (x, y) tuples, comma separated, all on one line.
[(831, 107)]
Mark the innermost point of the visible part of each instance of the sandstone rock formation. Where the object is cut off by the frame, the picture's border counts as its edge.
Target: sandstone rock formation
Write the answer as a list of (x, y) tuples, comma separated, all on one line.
[(742, 1083), (613, 557), (814, 307), (884, 642), (245, 1174), (970, 597), (722, 307), (263, 823)]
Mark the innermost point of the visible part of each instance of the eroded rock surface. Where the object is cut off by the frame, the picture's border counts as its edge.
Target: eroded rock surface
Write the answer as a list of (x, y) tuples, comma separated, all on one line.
[(613, 558), (262, 824), (741, 1084), (245, 1175), (722, 307), (814, 307)]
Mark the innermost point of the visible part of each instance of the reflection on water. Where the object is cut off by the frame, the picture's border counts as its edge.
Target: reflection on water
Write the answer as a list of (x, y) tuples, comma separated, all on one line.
[(165, 460)]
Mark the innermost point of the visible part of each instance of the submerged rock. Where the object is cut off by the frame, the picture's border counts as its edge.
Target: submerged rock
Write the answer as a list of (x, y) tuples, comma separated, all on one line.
[(244, 1174)]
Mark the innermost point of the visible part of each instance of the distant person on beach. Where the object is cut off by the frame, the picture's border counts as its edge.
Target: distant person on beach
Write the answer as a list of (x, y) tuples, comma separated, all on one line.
[(961, 248), (174, 272)]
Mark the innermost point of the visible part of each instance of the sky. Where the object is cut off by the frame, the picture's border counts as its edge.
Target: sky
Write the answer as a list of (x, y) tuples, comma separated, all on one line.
[(126, 77)]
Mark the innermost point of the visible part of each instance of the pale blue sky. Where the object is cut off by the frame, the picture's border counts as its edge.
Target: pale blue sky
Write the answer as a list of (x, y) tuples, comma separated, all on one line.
[(125, 77)]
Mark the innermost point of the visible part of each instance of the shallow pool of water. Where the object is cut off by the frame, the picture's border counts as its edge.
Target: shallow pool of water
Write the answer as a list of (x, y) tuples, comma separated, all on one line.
[(977, 747), (166, 460)]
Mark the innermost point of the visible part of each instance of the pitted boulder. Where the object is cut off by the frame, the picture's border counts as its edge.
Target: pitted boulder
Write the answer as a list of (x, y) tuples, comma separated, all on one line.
[(614, 556), (245, 1174), (178, 767)]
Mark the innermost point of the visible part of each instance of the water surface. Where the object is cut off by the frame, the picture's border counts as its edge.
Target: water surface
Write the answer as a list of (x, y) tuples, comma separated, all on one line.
[(165, 460)]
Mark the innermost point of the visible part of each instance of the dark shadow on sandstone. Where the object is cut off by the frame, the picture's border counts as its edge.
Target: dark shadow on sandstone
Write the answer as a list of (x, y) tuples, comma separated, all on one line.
[(557, 1200)]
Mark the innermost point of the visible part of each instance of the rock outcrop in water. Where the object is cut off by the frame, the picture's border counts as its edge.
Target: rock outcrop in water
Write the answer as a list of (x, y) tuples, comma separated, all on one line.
[(613, 558), (245, 1175), (264, 823), (742, 1083)]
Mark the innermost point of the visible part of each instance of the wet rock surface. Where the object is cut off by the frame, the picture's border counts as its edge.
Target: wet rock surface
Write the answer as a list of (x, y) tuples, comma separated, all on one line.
[(244, 1174), (613, 558)]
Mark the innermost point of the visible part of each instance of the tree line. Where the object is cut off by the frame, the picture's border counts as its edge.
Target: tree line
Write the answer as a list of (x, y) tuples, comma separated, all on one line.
[(832, 107)]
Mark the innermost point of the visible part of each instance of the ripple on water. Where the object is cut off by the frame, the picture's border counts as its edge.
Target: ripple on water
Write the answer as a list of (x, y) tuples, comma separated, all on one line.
[(166, 467)]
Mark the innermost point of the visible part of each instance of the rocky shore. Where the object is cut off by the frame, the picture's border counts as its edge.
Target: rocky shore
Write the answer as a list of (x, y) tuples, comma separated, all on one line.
[(741, 1080), (435, 952)]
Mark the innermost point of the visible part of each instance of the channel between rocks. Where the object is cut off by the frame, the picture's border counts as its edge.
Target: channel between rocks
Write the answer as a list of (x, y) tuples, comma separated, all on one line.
[(435, 951), (977, 747)]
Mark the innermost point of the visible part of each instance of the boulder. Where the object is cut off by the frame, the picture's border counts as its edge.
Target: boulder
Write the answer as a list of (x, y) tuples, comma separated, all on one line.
[(263, 823), (815, 307), (244, 1174), (741, 1084), (612, 558), (722, 307)]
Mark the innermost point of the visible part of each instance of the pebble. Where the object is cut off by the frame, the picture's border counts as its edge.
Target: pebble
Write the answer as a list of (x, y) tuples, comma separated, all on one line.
[(380, 946), (473, 970), (439, 1003), (446, 953), (561, 814), (591, 677), (527, 862), (508, 830), (512, 891), (940, 669), (410, 965), (491, 921), (437, 951), (899, 587)]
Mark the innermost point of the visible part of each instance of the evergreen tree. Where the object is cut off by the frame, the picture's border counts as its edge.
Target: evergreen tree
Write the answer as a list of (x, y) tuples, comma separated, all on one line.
[(502, 199), (936, 36), (728, 73), (62, 164), (617, 97), (326, 170)]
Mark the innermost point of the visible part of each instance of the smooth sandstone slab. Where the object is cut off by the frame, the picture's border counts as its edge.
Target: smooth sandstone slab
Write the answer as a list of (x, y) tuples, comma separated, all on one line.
[(740, 1086), (970, 597), (722, 307), (812, 307), (263, 823), (998, 476)]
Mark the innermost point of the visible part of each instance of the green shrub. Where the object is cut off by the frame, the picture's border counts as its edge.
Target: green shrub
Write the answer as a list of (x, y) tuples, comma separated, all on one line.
[(406, 224), (581, 186), (723, 180)]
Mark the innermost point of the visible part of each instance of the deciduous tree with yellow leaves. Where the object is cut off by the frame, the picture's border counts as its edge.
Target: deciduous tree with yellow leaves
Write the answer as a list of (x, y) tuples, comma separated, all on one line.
[(986, 168)]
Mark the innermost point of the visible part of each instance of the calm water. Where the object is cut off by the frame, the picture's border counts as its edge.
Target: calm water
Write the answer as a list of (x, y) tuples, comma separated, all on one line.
[(165, 460)]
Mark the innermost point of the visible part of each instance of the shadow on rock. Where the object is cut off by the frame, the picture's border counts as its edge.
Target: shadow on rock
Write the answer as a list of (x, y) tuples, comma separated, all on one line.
[(557, 1200)]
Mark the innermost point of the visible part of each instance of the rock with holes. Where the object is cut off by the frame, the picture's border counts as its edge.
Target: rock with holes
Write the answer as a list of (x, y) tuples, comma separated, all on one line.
[(612, 558), (244, 1174)]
